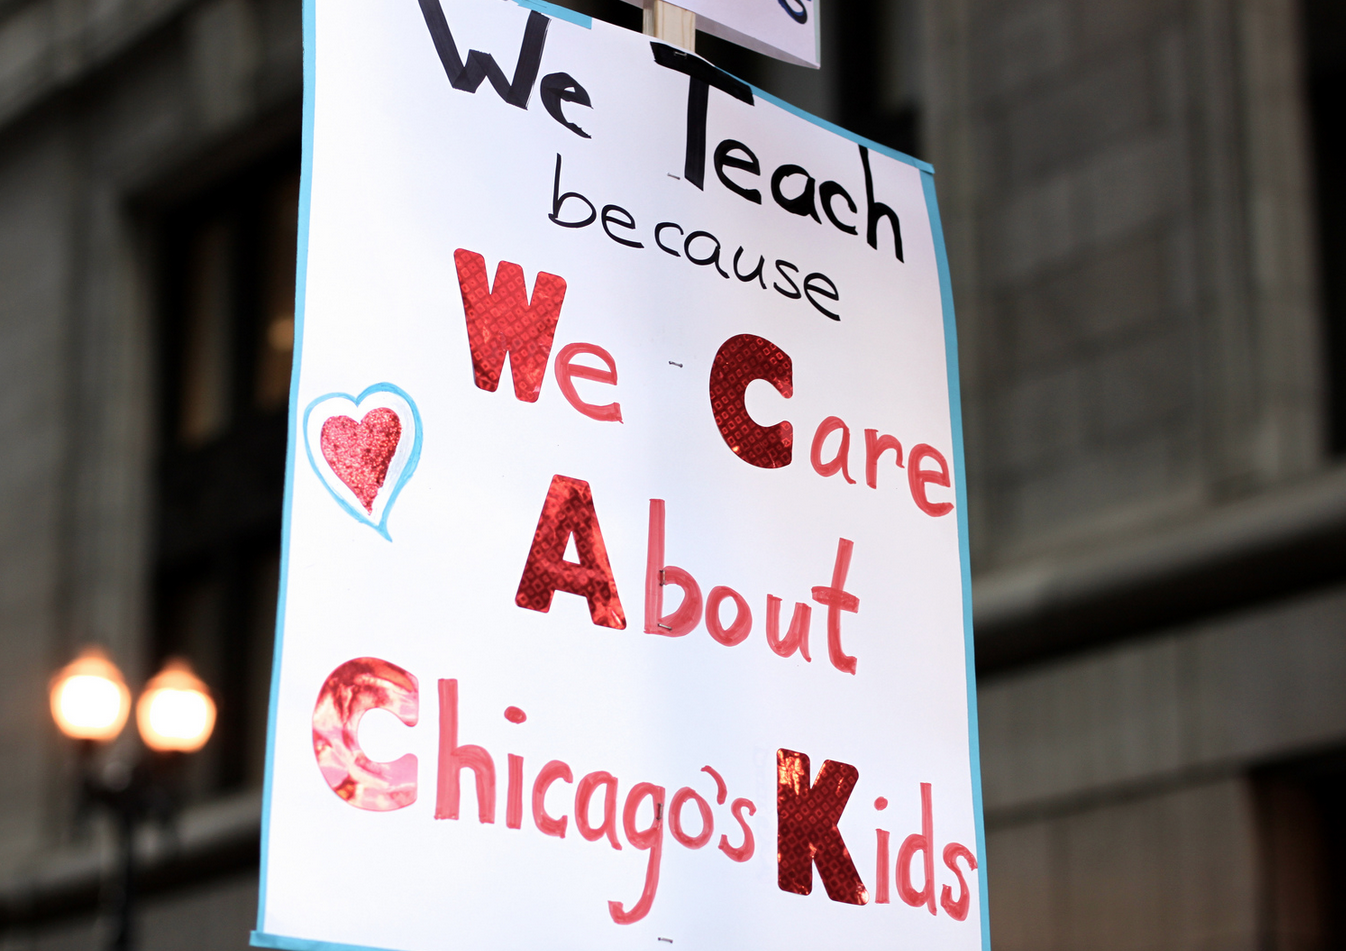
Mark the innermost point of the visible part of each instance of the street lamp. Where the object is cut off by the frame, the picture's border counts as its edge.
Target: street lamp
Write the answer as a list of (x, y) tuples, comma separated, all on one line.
[(89, 699), (90, 702), (175, 713)]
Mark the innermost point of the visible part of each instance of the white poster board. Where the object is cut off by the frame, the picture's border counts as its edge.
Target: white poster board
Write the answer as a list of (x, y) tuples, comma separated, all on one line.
[(625, 593), (785, 29)]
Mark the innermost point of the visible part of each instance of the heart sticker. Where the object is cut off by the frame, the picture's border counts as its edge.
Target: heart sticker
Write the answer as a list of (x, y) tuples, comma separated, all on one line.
[(364, 448)]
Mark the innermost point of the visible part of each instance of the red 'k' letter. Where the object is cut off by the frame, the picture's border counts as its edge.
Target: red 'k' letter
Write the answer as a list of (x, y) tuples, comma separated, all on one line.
[(807, 832), (501, 321), (569, 510)]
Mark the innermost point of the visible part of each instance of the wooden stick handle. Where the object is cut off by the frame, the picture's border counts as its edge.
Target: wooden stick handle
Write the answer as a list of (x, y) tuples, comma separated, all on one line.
[(669, 23)]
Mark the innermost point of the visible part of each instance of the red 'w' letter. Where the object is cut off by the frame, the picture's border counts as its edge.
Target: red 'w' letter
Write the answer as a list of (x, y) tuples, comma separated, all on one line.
[(501, 321), (569, 510), (807, 828)]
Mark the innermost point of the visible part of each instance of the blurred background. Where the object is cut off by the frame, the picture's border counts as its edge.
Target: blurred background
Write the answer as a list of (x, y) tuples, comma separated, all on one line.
[(1146, 219)]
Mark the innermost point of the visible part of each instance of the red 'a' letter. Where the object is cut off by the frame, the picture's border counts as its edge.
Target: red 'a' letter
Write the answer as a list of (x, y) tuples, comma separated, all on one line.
[(807, 828), (569, 510), (501, 321)]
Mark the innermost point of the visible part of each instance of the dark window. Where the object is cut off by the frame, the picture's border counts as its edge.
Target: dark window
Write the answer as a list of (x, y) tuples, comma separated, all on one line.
[(228, 264), (1325, 39), (1303, 835), (875, 52)]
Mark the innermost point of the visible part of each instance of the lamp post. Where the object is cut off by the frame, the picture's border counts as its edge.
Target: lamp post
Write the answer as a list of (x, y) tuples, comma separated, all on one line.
[(91, 703)]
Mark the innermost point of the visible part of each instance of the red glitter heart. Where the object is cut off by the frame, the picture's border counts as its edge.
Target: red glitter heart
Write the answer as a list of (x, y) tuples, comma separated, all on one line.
[(359, 453)]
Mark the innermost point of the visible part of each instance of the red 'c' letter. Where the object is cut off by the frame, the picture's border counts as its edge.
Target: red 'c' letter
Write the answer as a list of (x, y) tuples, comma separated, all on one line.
[(502, 321), (546, 776), (807, 828), (741, 360), (355, 687), (607, 413), (569, 510)]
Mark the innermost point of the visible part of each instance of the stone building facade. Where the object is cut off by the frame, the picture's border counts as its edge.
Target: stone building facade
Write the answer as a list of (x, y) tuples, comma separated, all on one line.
[(1146, 236)]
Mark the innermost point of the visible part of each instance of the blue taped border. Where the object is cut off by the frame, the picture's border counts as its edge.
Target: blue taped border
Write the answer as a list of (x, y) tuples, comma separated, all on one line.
[(559, 12), (260, 939), (964, 549), (300, 294)]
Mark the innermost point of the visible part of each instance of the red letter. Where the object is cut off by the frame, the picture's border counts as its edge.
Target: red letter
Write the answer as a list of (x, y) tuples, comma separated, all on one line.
[(807, 830), (910, 846), (355, 687), (738, 631), (652, 839), (569, 510), (657, 575), (675, 818), (514, 793), (952, 853), (452, 759), (546, 776), (881, 869), (918, 478), (501, 321), (607, 413), (840, 461), (744, 851), (837, 601), (741, 360), (875, 446), (583, 794), (797, 638)]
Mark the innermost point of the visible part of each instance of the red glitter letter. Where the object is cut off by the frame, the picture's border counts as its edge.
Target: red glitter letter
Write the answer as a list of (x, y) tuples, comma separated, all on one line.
[(657, 575), (652, 839), (501, 321), (740, 360), (952, 853), (797, 638), (366, 683), (564, 369), (452, 759), (875, 446), (807, 832), (583, 794), (546, 776), (922, 842), (837, 601), (840, 462), (917, 478), (569, 510)]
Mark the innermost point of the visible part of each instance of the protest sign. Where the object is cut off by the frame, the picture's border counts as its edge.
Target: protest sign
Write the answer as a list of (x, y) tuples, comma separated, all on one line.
[(625, 592), (785, 29)]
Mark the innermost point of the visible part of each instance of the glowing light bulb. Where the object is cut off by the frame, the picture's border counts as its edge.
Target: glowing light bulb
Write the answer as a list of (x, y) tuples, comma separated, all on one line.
[(175, 713), (89, 699)]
